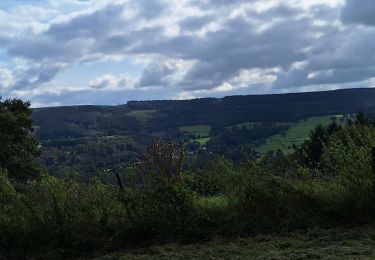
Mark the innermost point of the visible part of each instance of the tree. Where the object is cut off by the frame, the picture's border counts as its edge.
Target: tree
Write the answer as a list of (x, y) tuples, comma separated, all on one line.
[(311, 150), (360, 118), (18, 150)]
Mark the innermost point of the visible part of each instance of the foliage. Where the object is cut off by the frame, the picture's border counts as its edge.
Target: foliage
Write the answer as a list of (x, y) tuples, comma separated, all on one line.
[(311, 150), (18, 150), (56, 213), (89, 157), (347, 156), (157, 199)]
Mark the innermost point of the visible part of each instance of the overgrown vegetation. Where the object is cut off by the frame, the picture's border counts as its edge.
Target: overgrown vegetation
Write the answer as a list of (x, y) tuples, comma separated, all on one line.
[(167, 197)]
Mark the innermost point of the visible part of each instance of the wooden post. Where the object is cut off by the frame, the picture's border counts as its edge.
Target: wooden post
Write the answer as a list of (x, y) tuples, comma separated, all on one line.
[(127, 208), (373, 171), (119, 181)]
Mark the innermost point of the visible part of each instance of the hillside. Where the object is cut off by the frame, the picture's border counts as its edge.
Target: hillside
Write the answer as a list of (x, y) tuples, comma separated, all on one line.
[(234, 126), (153, 116)]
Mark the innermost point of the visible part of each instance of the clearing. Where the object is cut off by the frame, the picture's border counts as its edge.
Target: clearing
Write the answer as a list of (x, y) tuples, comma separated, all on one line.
[(296, 134)]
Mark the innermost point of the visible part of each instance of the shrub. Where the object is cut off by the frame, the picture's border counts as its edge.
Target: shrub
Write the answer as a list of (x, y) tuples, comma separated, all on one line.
[(13, 213), (347, 158), (213, 179), (157, 199), (54, 213)]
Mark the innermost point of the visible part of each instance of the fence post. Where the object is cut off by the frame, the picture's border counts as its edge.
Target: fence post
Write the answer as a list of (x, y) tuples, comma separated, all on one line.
[(119, 181), (127, 208)]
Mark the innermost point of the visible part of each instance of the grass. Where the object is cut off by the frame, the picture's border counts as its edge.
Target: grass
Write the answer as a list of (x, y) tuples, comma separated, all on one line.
[(213, 202), (296, 134), (202, 140), (201, 130), (339, 243), (250, 125), (142, 115)]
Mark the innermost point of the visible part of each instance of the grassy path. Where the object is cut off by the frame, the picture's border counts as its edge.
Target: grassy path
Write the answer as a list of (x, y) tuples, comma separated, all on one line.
[(353, 243)]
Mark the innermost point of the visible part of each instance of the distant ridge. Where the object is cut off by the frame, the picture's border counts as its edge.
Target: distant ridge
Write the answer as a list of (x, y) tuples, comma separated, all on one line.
[(218, 111)]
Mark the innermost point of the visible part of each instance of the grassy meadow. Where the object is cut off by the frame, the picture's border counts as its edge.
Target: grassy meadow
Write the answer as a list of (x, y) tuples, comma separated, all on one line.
[(295, 135), (201, 132), (142, 115)]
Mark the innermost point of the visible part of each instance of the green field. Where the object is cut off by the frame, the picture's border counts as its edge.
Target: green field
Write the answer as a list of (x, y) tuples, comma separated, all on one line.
[(351, 243), (296, 134), (202, 140), (250, 125), (142, 115), (201, 130)]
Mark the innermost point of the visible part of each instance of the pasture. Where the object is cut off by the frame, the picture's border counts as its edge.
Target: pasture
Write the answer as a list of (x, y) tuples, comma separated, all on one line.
[(295, 135)]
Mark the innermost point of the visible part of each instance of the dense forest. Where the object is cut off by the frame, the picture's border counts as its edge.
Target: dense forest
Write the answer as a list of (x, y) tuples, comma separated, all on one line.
[(168, 194)]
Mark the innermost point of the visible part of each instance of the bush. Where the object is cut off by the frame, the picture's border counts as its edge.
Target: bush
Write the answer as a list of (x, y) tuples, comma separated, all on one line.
[(157, 199), (55, 213), (13, 213), (213, 179), (347, 158)]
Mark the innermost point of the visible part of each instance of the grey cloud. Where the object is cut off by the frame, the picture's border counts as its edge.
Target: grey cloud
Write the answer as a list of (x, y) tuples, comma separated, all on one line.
[(33, 77), (336, 51), (194, 23), (359, 12), (38, 48), (219, 3), (114, 43), (70, 40), (333, 55), (100, 83), (93, 25), (222, 54), (299, 77), (334, 59), (239, 47), (65, 44), (154, 75), (151, 9), (109, 81)]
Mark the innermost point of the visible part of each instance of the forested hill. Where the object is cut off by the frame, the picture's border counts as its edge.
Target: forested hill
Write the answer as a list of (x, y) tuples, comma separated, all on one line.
[(258, 108), (159, 115), (91, 139)]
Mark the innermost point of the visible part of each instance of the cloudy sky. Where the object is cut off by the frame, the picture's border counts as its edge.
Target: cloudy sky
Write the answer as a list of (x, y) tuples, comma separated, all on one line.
[(62, 52)]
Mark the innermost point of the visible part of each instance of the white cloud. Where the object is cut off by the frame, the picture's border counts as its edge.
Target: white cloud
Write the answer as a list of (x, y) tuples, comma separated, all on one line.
[(6, 78), (188, 48), (110, 82)]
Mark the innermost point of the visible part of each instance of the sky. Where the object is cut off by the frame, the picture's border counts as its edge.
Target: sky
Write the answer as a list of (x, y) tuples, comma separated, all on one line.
[(70, 52)]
